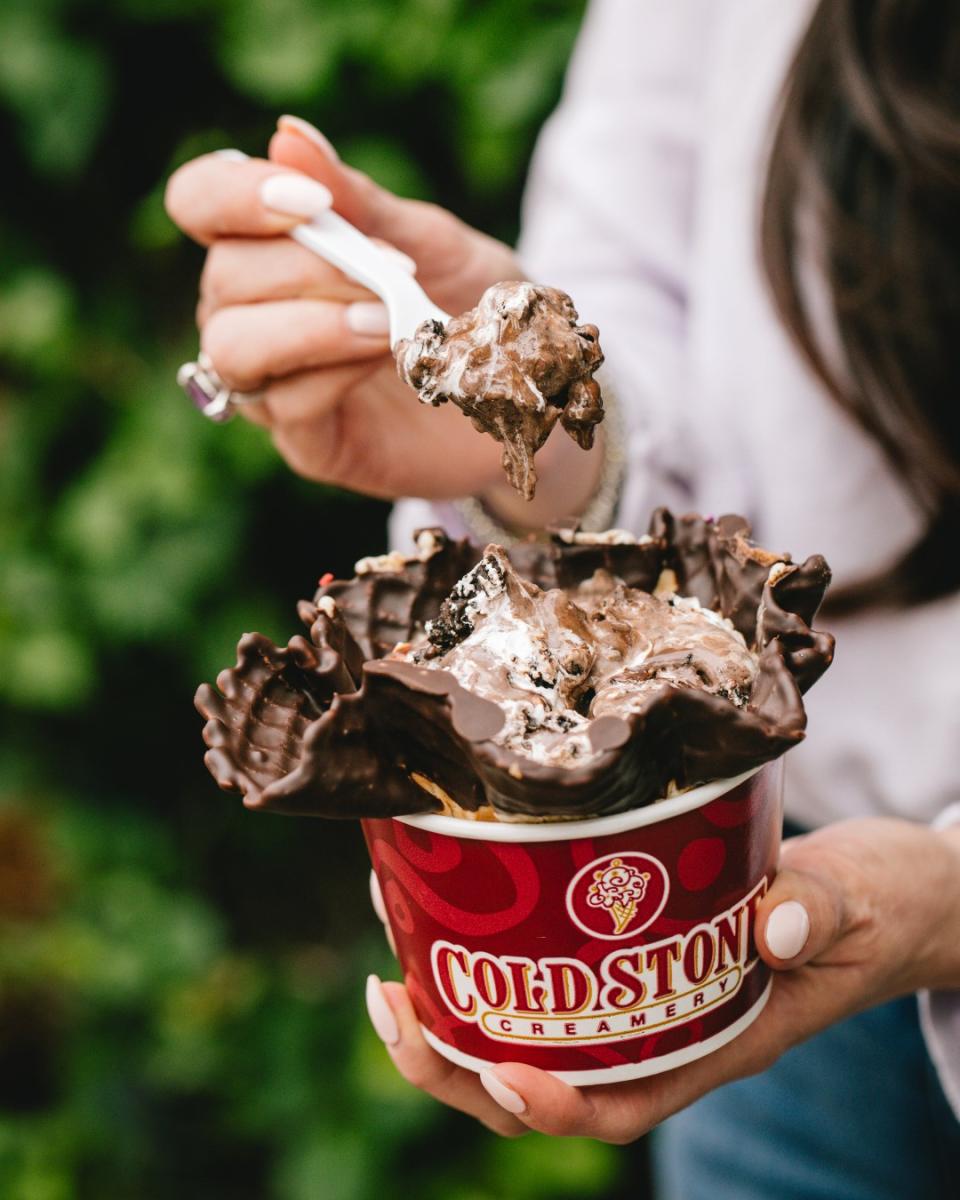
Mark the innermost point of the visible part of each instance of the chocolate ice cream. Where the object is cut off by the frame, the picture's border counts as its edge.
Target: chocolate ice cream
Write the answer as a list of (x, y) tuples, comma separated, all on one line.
[(516, 364), (586, 676), (555, 660)]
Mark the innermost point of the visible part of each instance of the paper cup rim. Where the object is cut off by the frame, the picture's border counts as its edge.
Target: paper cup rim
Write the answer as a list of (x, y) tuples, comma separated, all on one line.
[(566, 831)]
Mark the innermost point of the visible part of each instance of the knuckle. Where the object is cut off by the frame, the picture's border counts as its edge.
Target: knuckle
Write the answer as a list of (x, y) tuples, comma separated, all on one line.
[(420, 1075), (216, 270), (305, 273), (620, 1137), (434, 212), (227, 349), (506, 1129), (563, 1125), (176, 193), (760, 1061)]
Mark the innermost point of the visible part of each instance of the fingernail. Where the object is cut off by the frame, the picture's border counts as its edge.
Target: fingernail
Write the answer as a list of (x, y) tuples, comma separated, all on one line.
[(381, 1014), (232, 155), (376, 897), (368, 317), (788, 929), (505, 1096), (295, 195), (402, 260), (310, 132)]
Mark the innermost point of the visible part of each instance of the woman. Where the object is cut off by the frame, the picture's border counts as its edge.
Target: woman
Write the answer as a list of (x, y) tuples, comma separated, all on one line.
[(811, 387)]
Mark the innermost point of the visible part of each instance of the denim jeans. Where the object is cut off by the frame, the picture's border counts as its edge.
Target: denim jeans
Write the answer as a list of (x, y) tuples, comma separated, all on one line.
[(855, 1113)]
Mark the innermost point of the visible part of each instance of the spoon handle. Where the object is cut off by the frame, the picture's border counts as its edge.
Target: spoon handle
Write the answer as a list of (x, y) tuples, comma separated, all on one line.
[(352, 252), (343, 245)]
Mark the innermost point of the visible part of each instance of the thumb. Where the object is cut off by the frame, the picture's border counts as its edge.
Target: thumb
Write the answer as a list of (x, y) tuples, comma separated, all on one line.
[(454, 262), (800, 918), (407, 224)]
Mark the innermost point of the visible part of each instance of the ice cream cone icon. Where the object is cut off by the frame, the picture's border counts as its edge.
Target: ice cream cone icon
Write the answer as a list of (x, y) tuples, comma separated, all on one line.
[(618, 888), (622, 915)]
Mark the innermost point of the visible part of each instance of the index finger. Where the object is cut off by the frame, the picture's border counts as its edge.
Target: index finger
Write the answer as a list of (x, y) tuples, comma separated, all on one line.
[(423, 1067), (216, 196)]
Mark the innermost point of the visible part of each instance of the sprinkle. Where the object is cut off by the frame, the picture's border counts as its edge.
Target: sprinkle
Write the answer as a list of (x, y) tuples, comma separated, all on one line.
[(326, 580)]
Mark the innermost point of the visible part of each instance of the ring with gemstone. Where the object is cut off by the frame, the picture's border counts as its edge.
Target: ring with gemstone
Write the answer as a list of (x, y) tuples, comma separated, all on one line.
[(210, 395)]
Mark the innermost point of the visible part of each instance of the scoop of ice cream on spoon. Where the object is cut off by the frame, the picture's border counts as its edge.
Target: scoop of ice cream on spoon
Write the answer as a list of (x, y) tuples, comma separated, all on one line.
[(516, 365)]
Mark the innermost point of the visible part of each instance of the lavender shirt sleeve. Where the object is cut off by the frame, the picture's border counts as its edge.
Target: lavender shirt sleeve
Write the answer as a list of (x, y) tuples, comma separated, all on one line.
[(940, 1014)]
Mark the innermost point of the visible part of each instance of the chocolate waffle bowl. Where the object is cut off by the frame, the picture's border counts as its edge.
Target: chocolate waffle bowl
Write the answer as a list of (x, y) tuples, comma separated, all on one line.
[(368, 715)]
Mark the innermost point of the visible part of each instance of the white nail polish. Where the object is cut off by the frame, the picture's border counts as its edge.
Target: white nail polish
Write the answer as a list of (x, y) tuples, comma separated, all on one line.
[(376, 898), (310, 133), (381, 1014), (368, 317), (231, 155), (295, 195), (788, 928), (504, 1095)]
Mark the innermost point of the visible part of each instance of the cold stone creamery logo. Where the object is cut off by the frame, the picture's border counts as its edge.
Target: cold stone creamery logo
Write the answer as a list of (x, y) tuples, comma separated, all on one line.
[(618, 895), (630, 992), (619, 890)]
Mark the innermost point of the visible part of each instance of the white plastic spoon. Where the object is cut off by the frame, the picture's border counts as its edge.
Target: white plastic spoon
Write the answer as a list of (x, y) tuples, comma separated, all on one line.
[(352, 252)]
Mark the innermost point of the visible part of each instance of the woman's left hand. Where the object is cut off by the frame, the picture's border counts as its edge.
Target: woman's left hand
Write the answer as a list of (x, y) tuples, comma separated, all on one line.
[(860, 912)]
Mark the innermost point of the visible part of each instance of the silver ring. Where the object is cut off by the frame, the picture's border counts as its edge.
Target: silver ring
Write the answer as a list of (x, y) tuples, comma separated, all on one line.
[(209, 394)]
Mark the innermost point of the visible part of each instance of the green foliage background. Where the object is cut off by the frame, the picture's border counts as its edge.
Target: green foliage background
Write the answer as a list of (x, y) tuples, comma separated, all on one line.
[(181, 983)]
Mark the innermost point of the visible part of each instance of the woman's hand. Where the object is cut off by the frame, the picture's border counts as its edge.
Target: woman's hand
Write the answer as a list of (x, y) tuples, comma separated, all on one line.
[(275, 317), (861, 912)]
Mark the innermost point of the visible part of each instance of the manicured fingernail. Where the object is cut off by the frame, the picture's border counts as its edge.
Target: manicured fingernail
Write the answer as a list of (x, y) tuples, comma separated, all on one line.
[(376, 897), (505, 1096), (232, 155), (295, 195), (788, 929), (369, 318), (310, 132), (381, 1014)]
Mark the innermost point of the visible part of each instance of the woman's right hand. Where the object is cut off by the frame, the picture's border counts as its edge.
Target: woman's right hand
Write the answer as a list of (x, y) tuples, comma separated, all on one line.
[(275, 318)]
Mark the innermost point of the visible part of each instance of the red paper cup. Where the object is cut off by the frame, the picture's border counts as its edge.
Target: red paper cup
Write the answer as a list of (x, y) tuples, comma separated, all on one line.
[(600, 950)]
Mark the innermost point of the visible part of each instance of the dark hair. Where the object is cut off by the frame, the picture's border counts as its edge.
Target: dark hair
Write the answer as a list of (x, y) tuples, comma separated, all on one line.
[(867, 147)]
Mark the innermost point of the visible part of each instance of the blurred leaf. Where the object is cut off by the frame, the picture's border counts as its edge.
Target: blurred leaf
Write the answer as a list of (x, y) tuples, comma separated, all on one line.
[(150, 227), (34, 308), (533, 1167), (46, 668), (284, 52), (57, 84), (337, 1169)]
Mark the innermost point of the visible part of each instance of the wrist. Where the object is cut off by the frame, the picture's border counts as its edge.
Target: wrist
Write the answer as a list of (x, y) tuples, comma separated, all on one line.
[(567, 479), (945, 967), (571, 484)]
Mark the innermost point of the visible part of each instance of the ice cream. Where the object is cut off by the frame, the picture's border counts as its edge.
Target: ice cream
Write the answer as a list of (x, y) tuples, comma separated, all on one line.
[(516, 364), (583, 676), (553, 661)]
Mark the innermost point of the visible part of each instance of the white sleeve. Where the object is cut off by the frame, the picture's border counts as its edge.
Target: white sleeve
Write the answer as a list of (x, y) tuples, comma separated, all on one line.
[(940, 1014), (608, 215)]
